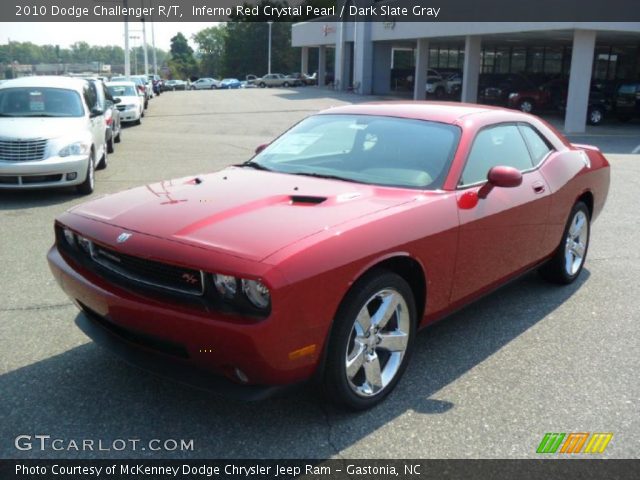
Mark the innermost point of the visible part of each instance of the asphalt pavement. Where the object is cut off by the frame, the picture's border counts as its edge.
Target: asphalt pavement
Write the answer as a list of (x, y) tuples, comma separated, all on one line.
[(488, 382)]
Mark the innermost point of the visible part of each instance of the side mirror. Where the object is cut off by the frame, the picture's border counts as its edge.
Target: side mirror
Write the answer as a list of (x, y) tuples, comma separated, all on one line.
[(500, 176), (260, 148), (117, 100), (96, 112)]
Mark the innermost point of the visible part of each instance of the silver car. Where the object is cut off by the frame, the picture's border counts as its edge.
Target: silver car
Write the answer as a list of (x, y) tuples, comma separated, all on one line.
[(52, 133)]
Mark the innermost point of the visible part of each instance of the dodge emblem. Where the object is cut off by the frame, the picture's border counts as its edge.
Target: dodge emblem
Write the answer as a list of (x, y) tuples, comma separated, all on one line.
[(123, 237)]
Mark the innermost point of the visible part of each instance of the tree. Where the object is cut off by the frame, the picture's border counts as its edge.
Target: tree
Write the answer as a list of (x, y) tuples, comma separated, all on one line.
[(182, 63), (211, 50)]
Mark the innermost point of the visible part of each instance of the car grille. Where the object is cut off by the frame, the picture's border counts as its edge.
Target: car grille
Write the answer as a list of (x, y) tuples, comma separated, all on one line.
[(149, 272), (135, 270), (22, 150)]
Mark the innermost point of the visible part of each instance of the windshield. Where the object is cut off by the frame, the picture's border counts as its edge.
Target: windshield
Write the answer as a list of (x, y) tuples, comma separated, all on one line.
[(122, 90), (40, 102), (365, 148)]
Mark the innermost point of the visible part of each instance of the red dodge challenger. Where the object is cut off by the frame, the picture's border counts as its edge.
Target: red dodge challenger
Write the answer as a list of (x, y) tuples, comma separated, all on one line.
[(322, 256)]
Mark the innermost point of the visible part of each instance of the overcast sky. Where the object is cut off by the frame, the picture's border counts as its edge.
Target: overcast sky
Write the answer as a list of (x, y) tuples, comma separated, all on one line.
[(94, 33)]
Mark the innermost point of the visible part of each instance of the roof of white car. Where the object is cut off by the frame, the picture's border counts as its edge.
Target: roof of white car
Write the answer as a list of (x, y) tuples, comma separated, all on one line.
[(120, 83), (71, 83)]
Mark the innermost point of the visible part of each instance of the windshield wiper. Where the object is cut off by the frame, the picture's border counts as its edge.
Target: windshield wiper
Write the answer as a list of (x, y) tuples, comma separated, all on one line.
[(324, 175), (256, 165)]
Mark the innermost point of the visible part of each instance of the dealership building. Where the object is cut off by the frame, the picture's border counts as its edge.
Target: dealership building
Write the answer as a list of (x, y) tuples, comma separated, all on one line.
[(362, 54)]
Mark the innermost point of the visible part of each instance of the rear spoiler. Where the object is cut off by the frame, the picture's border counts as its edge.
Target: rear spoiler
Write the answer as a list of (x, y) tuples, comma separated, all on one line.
[(583, 146)]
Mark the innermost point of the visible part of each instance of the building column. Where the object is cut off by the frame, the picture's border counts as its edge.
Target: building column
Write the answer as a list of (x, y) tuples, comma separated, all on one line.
[(363, 58), (575, 118), (304, 60), (471, 68), (422, 64), (339, 77), (322, 65), (381, 81)]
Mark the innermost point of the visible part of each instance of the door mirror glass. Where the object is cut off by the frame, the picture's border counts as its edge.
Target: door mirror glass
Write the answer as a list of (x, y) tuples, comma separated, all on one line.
[(260, 148)]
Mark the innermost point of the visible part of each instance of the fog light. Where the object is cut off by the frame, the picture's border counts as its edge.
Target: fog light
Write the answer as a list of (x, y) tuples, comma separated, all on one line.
[(69, 237), (72, 176), (241, 375)]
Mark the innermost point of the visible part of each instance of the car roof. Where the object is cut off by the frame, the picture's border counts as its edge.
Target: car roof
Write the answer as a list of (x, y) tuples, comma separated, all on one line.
[(71, 83), (120, 83), (444, 112)]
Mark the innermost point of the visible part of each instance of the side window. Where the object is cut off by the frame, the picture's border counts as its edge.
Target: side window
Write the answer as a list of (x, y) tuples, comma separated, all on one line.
[(537, 144), (90, 95), (500, 145)]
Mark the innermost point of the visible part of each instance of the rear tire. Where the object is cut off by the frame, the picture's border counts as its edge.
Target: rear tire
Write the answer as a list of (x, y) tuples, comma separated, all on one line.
[(371, 341), (110, 146), (568, 259)]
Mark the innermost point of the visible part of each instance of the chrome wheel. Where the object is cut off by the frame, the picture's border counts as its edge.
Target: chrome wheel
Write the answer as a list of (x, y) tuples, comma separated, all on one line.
[(595, 116), (576, 243), (526, 106), (378, 342)]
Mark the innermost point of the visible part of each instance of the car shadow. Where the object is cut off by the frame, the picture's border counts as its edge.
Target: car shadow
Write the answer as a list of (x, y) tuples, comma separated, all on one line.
[(41, 197), (85, 393)]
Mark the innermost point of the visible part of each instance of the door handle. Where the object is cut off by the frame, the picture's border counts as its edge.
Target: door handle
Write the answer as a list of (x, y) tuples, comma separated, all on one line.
[(538, 187)]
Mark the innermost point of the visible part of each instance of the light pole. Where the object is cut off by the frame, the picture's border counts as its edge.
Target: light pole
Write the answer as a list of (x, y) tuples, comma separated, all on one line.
[(269, 57), (127, 59), (135, 53), (144, 47)]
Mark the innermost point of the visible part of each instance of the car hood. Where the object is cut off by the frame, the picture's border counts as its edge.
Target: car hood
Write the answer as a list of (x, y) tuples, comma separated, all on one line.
[(39, 127), (124, 100), (247, 213)]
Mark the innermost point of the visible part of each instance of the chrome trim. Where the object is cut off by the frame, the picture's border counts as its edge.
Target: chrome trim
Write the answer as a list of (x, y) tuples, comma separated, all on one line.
[(134, 278)]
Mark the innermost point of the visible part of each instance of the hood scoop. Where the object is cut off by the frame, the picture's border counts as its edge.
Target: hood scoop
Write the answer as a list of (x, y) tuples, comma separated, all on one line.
[(306, 200)]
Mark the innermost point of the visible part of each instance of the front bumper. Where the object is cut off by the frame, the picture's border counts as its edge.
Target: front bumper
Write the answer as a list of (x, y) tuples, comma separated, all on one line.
[(189, 337), (121, 342), (129, 115), (50, 172)]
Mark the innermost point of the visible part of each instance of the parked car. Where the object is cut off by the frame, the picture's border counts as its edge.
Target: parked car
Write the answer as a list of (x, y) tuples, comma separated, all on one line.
[(598, 107), (112, 117), (453, 84), (174, 85), (131, 103), (547, 96), (251, 79), (274, 80), (157, 84), (148, 85), (314, 259), (229, 83), (295, 80), (436, 85), (205, 84), (304, 79), (141, 86), (627, 102), (494, 89), (52, 133)]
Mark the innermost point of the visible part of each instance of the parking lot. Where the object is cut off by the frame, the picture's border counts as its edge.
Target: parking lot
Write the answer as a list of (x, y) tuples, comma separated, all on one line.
[(488, 382)]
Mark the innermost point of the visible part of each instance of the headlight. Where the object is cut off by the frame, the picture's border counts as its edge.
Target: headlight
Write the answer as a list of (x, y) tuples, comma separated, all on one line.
[(226, 285), (76, 148), (69, 236), (257, 293), (513, 95), (85, 244), (129, 107)]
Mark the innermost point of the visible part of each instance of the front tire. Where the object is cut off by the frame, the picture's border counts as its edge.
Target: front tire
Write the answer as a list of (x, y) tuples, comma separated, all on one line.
[(102, 164), (86, 187), (526, 106), (595, 116), (371, 341), (567, 261)]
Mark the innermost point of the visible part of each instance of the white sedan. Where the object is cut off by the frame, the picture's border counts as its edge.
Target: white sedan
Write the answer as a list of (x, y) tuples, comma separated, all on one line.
[(205, 84), (131, 104)]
